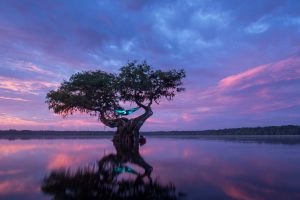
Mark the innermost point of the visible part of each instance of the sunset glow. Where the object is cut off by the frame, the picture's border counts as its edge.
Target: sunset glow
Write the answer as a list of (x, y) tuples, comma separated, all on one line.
[(242, 60)]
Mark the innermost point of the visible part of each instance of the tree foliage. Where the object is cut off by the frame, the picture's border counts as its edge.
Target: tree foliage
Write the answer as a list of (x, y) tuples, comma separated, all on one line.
[(140, 82), (89, 91), (100, 92)]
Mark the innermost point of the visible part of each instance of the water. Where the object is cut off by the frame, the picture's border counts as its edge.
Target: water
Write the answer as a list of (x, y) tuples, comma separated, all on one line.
[(197, 168)]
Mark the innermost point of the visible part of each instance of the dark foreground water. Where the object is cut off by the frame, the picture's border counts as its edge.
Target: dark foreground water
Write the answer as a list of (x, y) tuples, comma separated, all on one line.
[(193, 168)]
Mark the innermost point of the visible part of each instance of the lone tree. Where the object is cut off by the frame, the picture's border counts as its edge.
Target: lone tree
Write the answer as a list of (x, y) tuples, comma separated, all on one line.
[(100, 93)]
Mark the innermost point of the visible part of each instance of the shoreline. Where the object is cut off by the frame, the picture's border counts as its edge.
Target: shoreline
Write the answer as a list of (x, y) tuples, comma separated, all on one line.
[(240, 133)]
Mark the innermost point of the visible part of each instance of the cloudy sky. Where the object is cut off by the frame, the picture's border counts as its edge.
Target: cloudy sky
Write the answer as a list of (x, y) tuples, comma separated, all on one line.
[(242, 58)]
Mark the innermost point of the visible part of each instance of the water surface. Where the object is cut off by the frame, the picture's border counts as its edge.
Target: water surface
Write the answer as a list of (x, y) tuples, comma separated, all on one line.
[(198, 168)]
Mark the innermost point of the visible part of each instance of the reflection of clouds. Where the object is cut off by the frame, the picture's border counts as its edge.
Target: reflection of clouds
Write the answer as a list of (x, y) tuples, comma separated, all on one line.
[(8, 149), (66, 160), (25, 162), (11, 149), (60, 160), (235, 192), (255, 172), (17, 185), (150, 151), (198, 167), (12, 186)]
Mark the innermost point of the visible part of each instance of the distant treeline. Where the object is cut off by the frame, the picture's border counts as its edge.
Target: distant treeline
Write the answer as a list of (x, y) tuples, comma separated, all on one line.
[(29, 134), (271, 130)]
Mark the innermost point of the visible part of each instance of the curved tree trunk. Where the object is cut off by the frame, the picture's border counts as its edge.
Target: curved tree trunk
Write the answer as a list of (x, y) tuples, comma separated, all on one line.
[(132, 126), (128, 127)]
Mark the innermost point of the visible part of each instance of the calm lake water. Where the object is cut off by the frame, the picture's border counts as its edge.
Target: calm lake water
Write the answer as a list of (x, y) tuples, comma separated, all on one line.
[(198, 168)]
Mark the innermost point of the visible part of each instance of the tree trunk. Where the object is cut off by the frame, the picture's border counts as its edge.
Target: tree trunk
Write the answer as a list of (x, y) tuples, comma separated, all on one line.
[(128, 127), (131, 128)]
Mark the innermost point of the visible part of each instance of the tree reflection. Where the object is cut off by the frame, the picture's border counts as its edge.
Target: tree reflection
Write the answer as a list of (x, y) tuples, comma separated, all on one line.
[(102, 180)]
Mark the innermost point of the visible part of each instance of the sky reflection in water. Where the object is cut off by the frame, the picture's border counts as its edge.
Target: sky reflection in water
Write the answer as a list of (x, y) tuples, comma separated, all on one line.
[(202, 169)]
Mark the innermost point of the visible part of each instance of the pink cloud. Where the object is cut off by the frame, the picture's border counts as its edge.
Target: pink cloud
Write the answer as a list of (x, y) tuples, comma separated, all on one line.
[(287, 69), (238, 79), (10, 172), (13, 98), (33, 68), (7, 121), (23, 66), (25, 86), (155, 121), (188, 117), (261, 89), (255, 88)]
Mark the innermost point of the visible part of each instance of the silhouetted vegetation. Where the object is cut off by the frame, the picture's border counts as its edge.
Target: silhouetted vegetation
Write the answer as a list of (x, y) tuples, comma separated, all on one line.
[(89, 184), (270, 130), (100, 93)]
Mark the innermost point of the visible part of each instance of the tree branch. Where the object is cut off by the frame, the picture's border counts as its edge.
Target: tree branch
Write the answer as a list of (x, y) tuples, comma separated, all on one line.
[(150, 102), (139, 121), (137, 101), (112, 123), (142, 118), (140, 104)]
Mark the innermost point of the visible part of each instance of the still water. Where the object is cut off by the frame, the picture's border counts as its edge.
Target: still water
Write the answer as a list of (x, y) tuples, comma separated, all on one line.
[(195, 168)]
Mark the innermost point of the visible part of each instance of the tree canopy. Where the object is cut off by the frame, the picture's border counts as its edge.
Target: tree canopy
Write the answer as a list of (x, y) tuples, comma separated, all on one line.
[(98, 92)]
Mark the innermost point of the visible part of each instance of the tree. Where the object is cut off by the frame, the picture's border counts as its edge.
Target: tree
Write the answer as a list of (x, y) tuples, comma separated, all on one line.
[(100, 93)]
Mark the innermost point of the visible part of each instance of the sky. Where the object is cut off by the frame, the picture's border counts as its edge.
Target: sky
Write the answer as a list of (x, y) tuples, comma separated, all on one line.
[(242, 58)]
